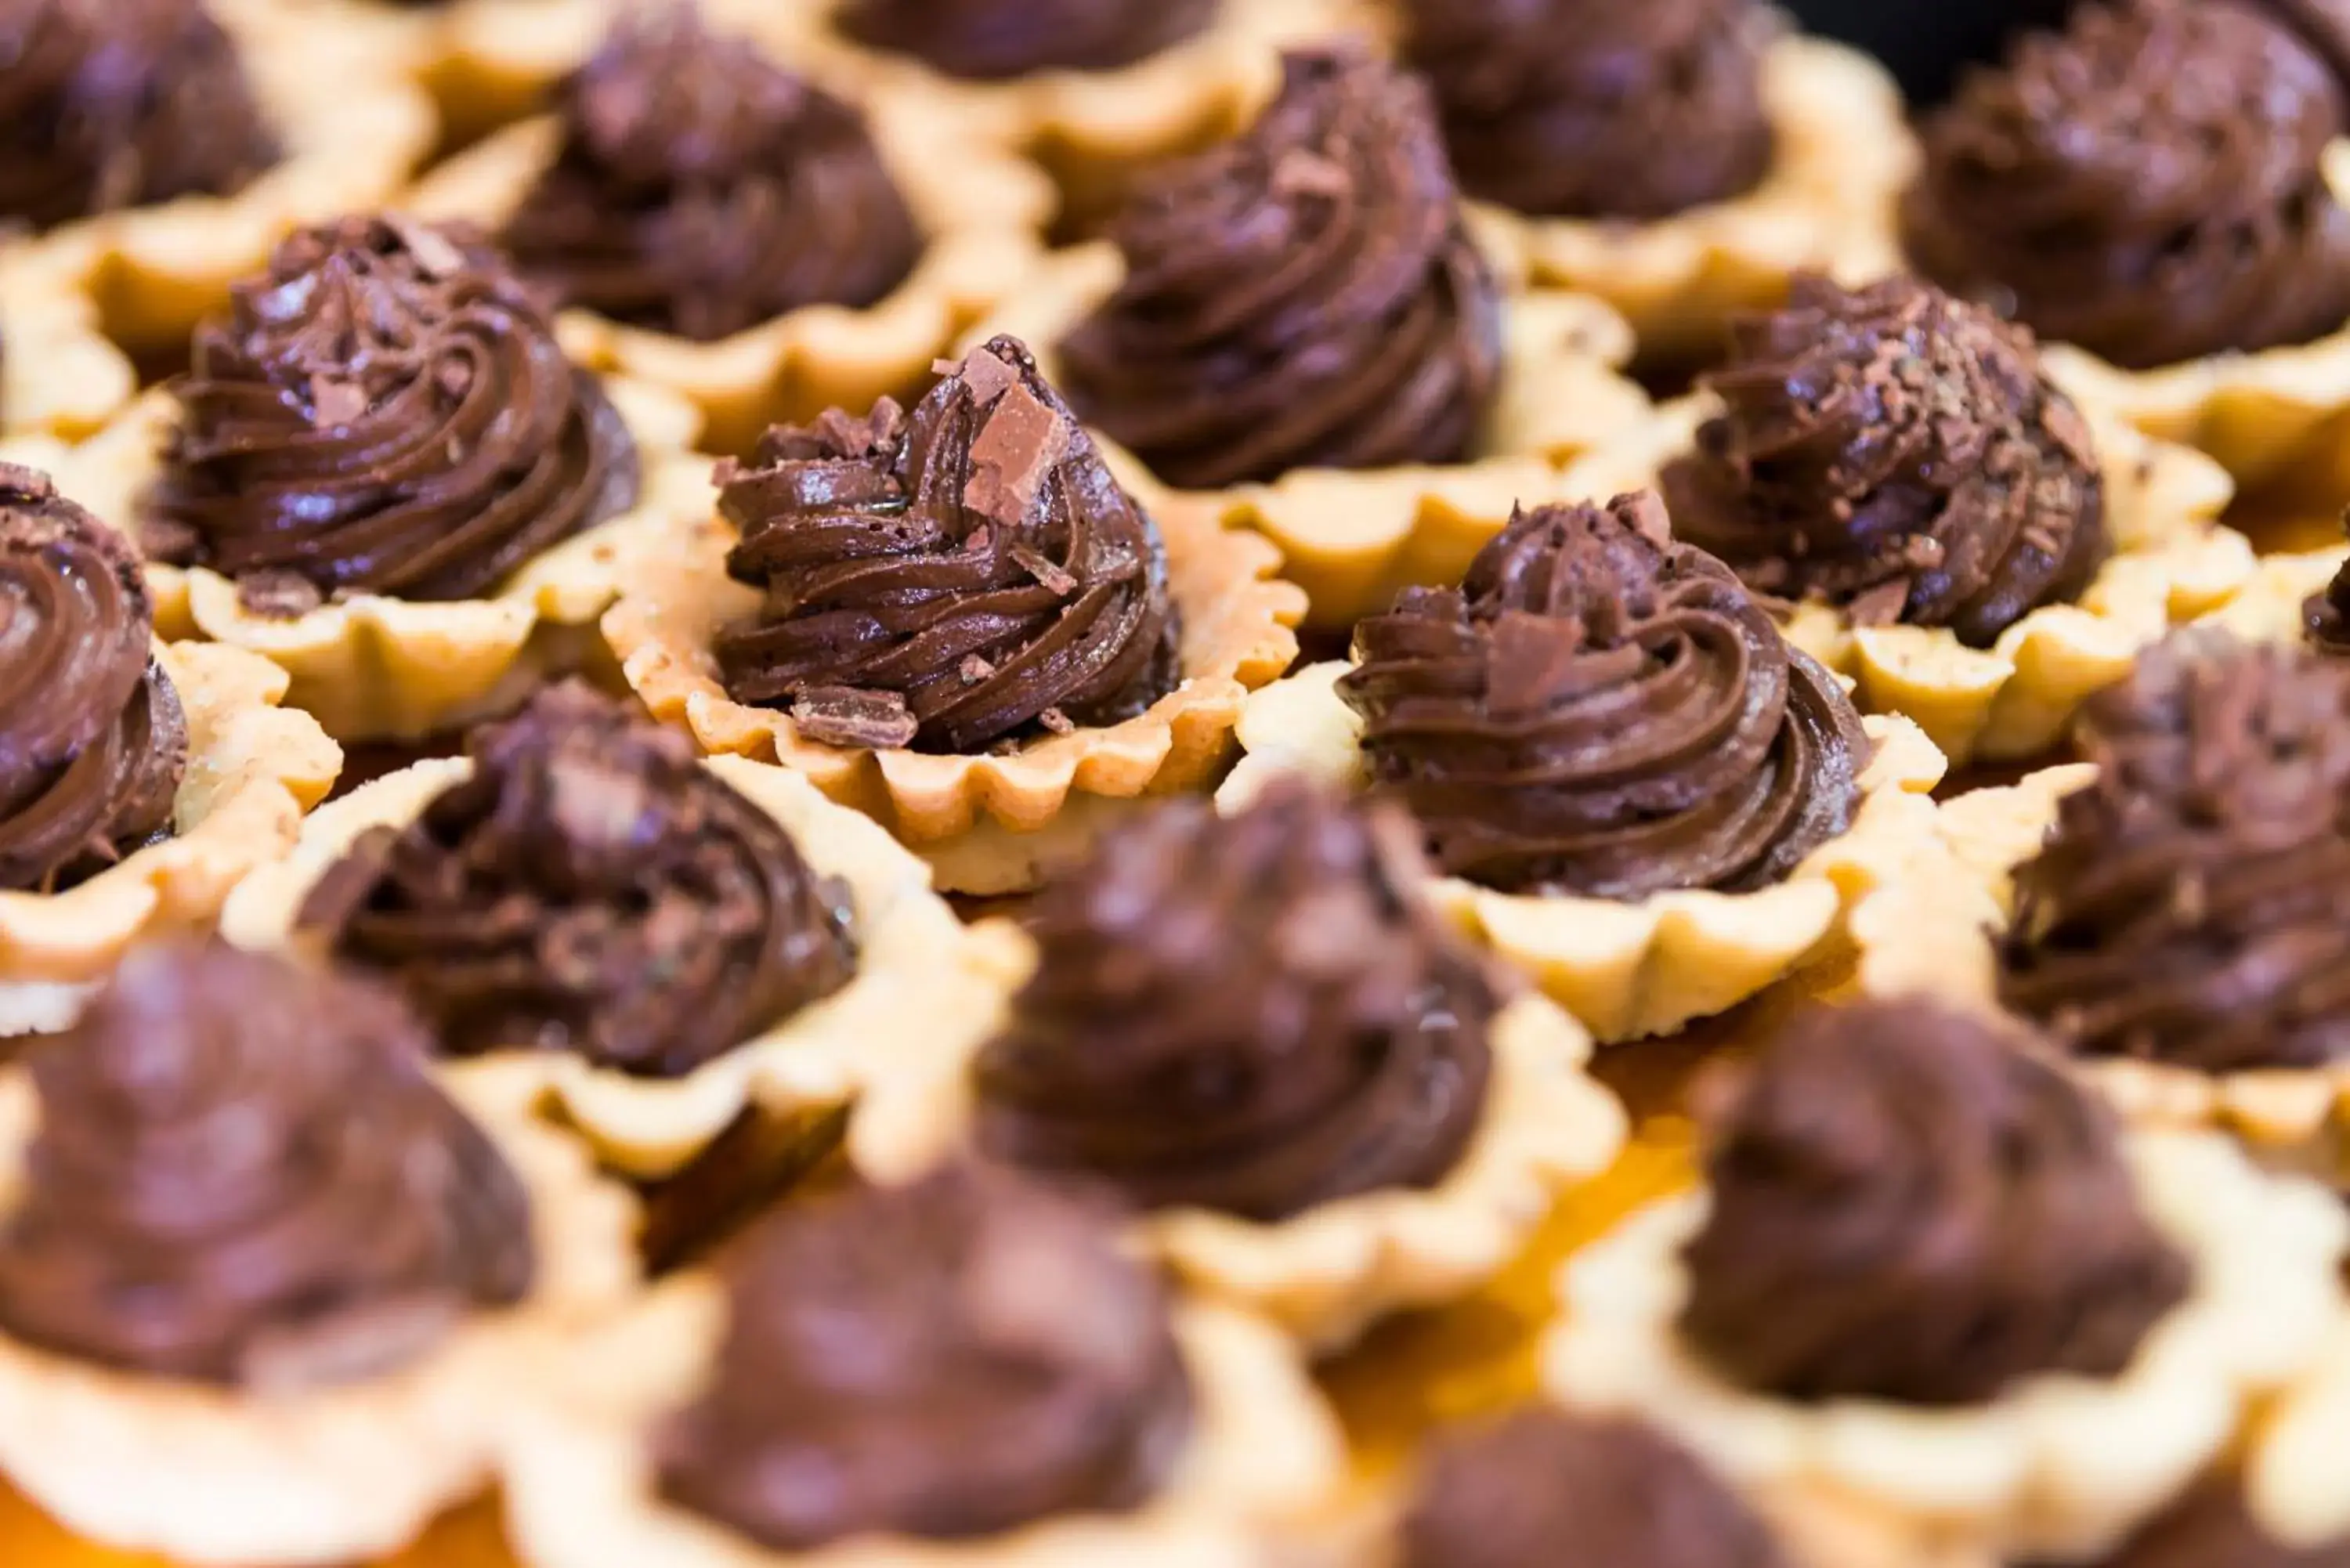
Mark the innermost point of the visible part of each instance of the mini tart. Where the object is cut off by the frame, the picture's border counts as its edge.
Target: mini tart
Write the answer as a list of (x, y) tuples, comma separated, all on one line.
[(352, 131), (1842, 154), (980, 210), (253, 768), (372, 666), (208, 1475), (919, 980), (59, 375), (1350, 539), (2057, 1466), (1625, 971), (2172, 562)]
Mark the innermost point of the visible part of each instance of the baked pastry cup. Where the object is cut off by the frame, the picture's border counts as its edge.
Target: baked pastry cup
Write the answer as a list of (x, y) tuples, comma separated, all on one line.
[(2203, 1287), (2280, 601), (283, 1461), (909, 976), (1435, 1200), (980, 211), (60, 375), (1256, 1450), (988, 820)]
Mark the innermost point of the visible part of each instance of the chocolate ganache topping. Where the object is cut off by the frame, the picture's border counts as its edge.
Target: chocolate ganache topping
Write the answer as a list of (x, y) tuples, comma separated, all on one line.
[(1255, 1014), (994, 40), (385, 410), (952, 1359), (589, 887), (1626, 109), (2192, 905), (2213, 1527), (2146, 184), (1545, 1490), (121, 103), (1597, 710), (951, 579), (2326, 615), (1306, 295), (700, 190), (1907, 1205), (1899, 453), (242, 1175), (92, 740)]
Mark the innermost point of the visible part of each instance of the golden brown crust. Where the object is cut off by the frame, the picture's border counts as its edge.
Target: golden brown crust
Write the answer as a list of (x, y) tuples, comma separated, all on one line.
[(60, 377)]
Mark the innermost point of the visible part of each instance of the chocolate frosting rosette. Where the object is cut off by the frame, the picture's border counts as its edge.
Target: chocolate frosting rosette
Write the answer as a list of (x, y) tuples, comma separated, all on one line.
[(2157, 190), (588, 916), (1253, 1030), (1935, 517), (1680, 161), (1631, 784), (742, 236), (138, 779), (1299, 331), (971, 1366), (384, 475), (250, 1255), (957, 620), (1931, 1295)]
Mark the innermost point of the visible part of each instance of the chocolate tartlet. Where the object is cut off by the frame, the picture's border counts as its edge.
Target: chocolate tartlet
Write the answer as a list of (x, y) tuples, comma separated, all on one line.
[(1255, 1015), (1909, 1206), (588, 888), (1598, 709), (2147, 184), (1622, 109), (700, 190), (1306, 296), (1543, 1490), (961, 576), (996, 40), (386, 411), (2188, 907), (330, 1214), (1899, 454), (1006, 1364), (95, 741), (122, 103)]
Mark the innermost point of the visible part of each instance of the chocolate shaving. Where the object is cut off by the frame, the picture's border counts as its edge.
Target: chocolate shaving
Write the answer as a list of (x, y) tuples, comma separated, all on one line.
[(841, 716), (1022, 439), (1056, 579), (1053, 719)]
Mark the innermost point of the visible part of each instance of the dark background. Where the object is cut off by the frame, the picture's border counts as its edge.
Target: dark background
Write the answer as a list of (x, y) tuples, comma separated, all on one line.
[(1926, 41)]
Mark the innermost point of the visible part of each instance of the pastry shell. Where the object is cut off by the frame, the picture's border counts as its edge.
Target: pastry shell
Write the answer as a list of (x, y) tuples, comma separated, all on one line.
[(992, 822), (2276, 418), (1329, 1274), (204, 1475), (2268, 605), (253, 769), (2058, 1466), (60, 376), (374, 668), (982, 214), (917, 985), (2293, 1471), (1351, 539), (580, 1488), (2173, 561), (353, 129), (1627, 970)]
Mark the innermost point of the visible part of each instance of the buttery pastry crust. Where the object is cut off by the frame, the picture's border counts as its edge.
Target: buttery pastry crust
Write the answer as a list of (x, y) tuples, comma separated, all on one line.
[(60, 376)]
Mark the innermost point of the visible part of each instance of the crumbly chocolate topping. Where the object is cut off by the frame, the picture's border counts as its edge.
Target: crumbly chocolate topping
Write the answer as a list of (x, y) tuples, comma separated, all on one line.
[(1625, 108), (121, 103), (385, 410), (589, 887), (1542, 1489), (993, 40), (1910, 1205), (949, 1360), (242, 1175), (1255, 1014), (1896, 452), (702, 189), (964, 576), (2192, 905), (93, 739), (1598, 709), (2213, 1527), (2147, 184), (1306, 295)]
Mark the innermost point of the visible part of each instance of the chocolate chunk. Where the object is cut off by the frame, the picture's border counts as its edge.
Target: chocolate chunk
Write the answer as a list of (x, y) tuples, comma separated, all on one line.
[(840, 716)]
